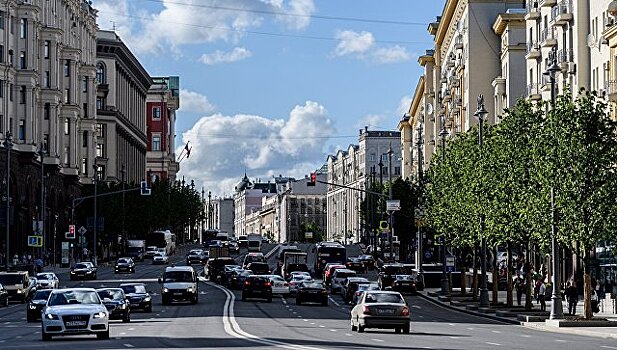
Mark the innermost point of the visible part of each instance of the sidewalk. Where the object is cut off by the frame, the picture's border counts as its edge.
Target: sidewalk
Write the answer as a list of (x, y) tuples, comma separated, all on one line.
[(532, 319)]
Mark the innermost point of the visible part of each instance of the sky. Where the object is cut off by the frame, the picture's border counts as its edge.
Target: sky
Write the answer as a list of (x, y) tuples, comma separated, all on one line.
[(272, 87)]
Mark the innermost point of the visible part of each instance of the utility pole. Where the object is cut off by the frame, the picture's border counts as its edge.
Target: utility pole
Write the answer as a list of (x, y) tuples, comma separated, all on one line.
[(419, 255), (94, 182), (391, 213)]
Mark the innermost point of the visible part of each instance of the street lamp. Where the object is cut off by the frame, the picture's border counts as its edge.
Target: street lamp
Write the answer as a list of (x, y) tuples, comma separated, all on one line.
[(123, 172), (94, 182), (481, 114), (445, 286), (556, 305), (419, 256), (8, 144), (41, 153), (391, 214)]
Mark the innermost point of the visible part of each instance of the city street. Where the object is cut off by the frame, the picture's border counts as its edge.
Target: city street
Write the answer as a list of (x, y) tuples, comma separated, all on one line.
[(221, 320)]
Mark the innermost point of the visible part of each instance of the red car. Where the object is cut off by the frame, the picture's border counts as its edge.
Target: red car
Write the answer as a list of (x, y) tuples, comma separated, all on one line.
[(329, 270)]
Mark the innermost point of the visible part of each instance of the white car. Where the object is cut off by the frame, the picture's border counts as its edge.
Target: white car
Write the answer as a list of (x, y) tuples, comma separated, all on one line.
[(74, 311), (338, 277), (160, 258), (299, 273), (47, 280), (279, 285), (296, 281)]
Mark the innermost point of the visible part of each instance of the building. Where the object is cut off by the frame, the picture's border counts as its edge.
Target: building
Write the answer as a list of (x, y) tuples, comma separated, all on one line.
[(47, 102), (248, 200), (354, 168), (162, 103), (120, 138), (300, 208), (222, 215), (610, 35)]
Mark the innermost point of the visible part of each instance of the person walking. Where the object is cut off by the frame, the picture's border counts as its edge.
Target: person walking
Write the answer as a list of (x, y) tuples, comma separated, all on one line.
[(519, 285), (541, 297), (572, 297)]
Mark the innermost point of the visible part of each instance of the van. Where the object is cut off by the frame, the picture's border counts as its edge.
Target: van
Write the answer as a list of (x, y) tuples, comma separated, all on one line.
[(16, 284), (253, 257), (179, 283)]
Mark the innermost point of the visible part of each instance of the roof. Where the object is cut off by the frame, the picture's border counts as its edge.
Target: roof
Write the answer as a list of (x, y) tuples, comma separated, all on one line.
[(178, 268)]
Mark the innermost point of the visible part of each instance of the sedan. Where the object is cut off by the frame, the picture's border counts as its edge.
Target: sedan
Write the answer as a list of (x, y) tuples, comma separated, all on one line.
[(116, 303), (125, 265), (380, 309), (4, 296), (36, 305), (83, 270), (237, 278), (47, 280), (361, 289), (279, 285), (355, 264), (74, 311), (295, 282), (196, 256), (160, 258), (312, 292), (138, 296)]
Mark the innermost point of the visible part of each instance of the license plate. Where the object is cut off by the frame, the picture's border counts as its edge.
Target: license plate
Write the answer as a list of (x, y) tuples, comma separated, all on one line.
[(75, 323), (177, 293), (313, 291), (134, 304), (385, 311)]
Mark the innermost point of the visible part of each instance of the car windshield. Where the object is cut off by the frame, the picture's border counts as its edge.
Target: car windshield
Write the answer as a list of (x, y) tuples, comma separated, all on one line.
[(81, 266), (344, 274), (178, 276), (384, 298), (158, 255), (134, 289), (301, 278), (312, 285), (41, 295), (367, 286), (112, 294), (44, 276), (7, 280), (122, 261), (74, 297), (398, 270)]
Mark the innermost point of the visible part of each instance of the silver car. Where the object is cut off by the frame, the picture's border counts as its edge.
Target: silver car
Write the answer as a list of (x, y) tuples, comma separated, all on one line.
[(47, 280), (380, 309), (74, 311)]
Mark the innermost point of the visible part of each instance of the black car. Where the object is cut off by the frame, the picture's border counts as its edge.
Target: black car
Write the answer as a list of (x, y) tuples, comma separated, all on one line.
[(350, 286), (368, 261), (196, 256), (138, 296), (33, 284), (237, 278), (4, 296), (257, 287), (355, 264), (116, 303), (400, 277), (83, 270), (216, 267), (259, 268), (312, 292), (36, 304), (124, 265)]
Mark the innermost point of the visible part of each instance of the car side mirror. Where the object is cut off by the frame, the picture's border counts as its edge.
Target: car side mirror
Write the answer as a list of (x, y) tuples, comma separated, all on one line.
[(160, 280)]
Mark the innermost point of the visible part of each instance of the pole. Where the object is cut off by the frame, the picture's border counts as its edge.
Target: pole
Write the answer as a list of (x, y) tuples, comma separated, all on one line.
[(390, 214), (419, 233), (42, 211), (123, 172), (8, 144), (94, 224), (480, 113), (345, 217), (445, 285)]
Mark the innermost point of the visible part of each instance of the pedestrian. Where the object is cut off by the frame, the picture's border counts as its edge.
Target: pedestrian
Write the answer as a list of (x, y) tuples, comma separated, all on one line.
[(541, 298), (519, 285), (572, 297)]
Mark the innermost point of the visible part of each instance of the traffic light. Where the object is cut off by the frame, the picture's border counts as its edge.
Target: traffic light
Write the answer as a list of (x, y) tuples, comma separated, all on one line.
[(312, 180), (71, 233)]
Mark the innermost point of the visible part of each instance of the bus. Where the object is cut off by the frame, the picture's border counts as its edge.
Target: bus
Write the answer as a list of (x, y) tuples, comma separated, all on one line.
[(329, 252), (162, 239)]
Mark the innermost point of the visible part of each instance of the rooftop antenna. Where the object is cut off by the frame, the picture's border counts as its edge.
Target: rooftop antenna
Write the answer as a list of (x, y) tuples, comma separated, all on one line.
[(113, 25)]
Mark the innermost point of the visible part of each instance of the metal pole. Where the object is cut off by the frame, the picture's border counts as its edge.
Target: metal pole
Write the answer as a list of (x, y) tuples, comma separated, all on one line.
[(345, 217), (445, 285), (8, 144), (480, 113), (94, 224), (419, 255), (123, 172), (42, 211), (391, 214)]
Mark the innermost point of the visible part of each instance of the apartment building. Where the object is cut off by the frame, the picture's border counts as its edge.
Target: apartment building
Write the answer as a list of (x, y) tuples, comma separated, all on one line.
[(610, 35), (221, 215), (248, 200)]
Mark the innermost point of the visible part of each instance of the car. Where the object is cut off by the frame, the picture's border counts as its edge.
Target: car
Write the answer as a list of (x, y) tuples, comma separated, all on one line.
[(83, 270), (216, 266), (338, 277), (401, 277), (17, 285), (196, 256), (32, 287), (237, 277), (259, 268), (368, 261), (228, 272), (150, 250), (234, 247), (311, 291), (160, 258), (279, 285), (243, 242), (116, 303), (349, 287), (138, 296), (295, 282), (74, 311), (363, 287), (36, 304), (179, 283), (355, 264), (253, 257), (126, 265), (47, 280), (329, 270), (295, 273), (381, 309), (256, 286), (4, 296)]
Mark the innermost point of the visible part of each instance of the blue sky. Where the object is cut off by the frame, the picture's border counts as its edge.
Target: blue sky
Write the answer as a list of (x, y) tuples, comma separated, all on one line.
[(273, 86)]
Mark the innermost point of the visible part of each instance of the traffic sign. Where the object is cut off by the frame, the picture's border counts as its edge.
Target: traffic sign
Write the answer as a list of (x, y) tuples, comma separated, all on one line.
[(35, 241), (393, 205), (450, 263), (68, 235), (82, 230), (72, 229)]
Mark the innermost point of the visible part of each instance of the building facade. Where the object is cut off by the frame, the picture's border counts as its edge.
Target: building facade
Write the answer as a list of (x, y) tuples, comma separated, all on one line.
[(222, 215), (247, 201)]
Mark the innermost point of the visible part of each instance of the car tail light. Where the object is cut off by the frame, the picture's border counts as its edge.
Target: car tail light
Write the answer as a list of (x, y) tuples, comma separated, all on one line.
[(366, 310), (247, 283), (292, 284), (358, 293), (267, 284), (405, 311), (324, 292)]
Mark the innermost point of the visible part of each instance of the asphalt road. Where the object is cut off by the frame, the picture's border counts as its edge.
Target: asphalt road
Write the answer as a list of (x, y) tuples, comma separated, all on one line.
[(221, 320)]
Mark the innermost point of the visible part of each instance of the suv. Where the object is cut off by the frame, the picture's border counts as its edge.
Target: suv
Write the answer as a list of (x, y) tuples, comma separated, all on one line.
[(350, 286), (215, 268), (253, 257), (83, 270), (257, 287), (329, 270), (259, 268), (179, 283), (400, 277), (196, 256), (338, 277), (17, 284)]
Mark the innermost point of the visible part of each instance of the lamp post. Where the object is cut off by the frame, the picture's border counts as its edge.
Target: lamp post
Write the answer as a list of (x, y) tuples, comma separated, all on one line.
[(556, 305), (94, 182), (123, 173), (41, 153), (372, 211), (419, 233), (8, 144), (203, 215), (481, 114), (391, 213), (445, 285), (209, 209)]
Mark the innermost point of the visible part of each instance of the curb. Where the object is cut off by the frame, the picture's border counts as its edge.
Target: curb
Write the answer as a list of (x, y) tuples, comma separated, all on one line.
[(567, 330), (469, 312)]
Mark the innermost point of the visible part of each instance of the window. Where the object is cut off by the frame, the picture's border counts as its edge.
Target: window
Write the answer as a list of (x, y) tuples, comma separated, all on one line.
[(66, 156), (384, 170), (67, 126), (47, 111), (67, 68), (84, 84), (23, 28), (85, 110), (46, 142), (397, 170), (22, 60), (100, 150), (46, 49), (67, 96), (100, 73), (10, 92), (156, 142), (100, 130), (2, 14), (1, 53), (156, 113), (384, 157), (22, 94), (1, 88), (100, 103), (372, 157), (11, 25), (84, 139), (84, 166), (21, 130), (46, 79), (100, 172)]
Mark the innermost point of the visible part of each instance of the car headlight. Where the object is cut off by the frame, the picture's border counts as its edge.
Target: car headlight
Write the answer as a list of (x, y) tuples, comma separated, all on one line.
[(148, 298), (19, 291), (72, 272), (123, 306), (32, 307), (51, 317), (190, 290), (100, 314), (165, 290)]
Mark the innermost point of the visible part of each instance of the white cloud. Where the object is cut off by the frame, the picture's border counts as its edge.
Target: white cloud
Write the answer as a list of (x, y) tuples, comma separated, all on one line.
[(363, 46), (299, 12), (237, 54), (374, 121), (191, 101), (392, 54), (403, 105), (224, 147)]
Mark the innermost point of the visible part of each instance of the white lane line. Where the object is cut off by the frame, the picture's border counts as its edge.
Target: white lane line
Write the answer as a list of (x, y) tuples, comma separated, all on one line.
[(454, 338), (144, 280), (333, 330), (122, 333), (496, 332), (294, 312), (348, 334), (608, 347), (334, 301), (131, 329), (313, 323), (305, 320), (560, 340), (377, 340), (420, 316), (128, 345), (528, 336), (416, 306), (494, 344), (299, 316), (322, 326), (18, 337), (451, 324), (470, 328)]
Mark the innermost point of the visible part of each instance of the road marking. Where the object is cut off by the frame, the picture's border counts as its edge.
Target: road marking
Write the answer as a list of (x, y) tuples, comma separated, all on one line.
[(322, 326), (454, 337), (377, 340), (334, 301), (494, 344), (19, 336), (608, 347), (420, 316), (416, 306), (451, 324), (131, 329), (333, 330), (470, 328), (528, 336), (122, 333), (135, 280), (305, 320), (560, 340), (129, 345), (299, 316), (313, 323), (348, 334), (496, 332), (294, 312)]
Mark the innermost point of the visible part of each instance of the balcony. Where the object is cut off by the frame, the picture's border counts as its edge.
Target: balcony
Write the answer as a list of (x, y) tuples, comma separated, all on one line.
[(611, 90), (562, 13), (533, 92), (547, 38), (449, 63), (533, 11), (565, 57), (533, 51), (547, 3), (453, 81)]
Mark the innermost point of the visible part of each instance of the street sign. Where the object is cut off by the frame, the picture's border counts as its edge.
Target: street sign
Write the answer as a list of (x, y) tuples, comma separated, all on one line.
[(82, 230), (450, 264), (72, 229), (308, 235), (35, 241), (393, 205), (65, 252)]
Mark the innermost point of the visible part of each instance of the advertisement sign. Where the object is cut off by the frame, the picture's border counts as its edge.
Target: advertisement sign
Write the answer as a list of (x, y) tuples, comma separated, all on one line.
[(450, 262), (65, 253)]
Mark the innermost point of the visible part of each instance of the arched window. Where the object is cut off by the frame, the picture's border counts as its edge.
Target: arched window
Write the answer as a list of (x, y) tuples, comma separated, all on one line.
[(101, 75)]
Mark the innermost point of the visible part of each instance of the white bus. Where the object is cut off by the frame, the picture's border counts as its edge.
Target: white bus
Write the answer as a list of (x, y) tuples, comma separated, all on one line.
[(162, 239)]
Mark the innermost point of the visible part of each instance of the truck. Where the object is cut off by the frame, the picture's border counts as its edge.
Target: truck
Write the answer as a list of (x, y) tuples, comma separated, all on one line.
[(254, 242), (218, 252), (294, 261), (136, 249)]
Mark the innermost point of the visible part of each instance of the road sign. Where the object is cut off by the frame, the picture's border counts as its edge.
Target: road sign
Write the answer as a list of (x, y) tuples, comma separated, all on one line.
[(82, 230), (393, 205), (72, 229), (35, 241), (450, 264), (308, 235), (65, 252)]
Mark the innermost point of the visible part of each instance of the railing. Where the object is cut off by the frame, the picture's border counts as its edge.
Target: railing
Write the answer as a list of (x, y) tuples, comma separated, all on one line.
[(532, 6), (547, 33), (562, 8), (532, 46), (611, 87), (533, 89), (565, 55)]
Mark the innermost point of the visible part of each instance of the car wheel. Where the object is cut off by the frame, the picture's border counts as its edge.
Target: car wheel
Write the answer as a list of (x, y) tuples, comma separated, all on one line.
[(6, 302), (360, 328), (298, 301), (103, 335), (194, 300), (165, 301), (45, 336), (353, 327), (148, 309), (406, 329), (127, 317), (30, 319), (397, 330), (324, 303), (270, 299)]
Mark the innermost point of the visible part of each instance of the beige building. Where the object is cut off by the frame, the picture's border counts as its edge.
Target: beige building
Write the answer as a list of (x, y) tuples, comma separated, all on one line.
[(610, 35)]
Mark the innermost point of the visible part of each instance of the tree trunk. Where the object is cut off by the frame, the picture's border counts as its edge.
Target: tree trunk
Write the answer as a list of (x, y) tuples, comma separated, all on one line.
[(463, 277), (509, 299), (528, 286), (587, 288), (495, 277), (474, 282)]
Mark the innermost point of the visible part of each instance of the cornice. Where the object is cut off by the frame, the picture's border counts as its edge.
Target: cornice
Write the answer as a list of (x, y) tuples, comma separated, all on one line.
[(505, 19)]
